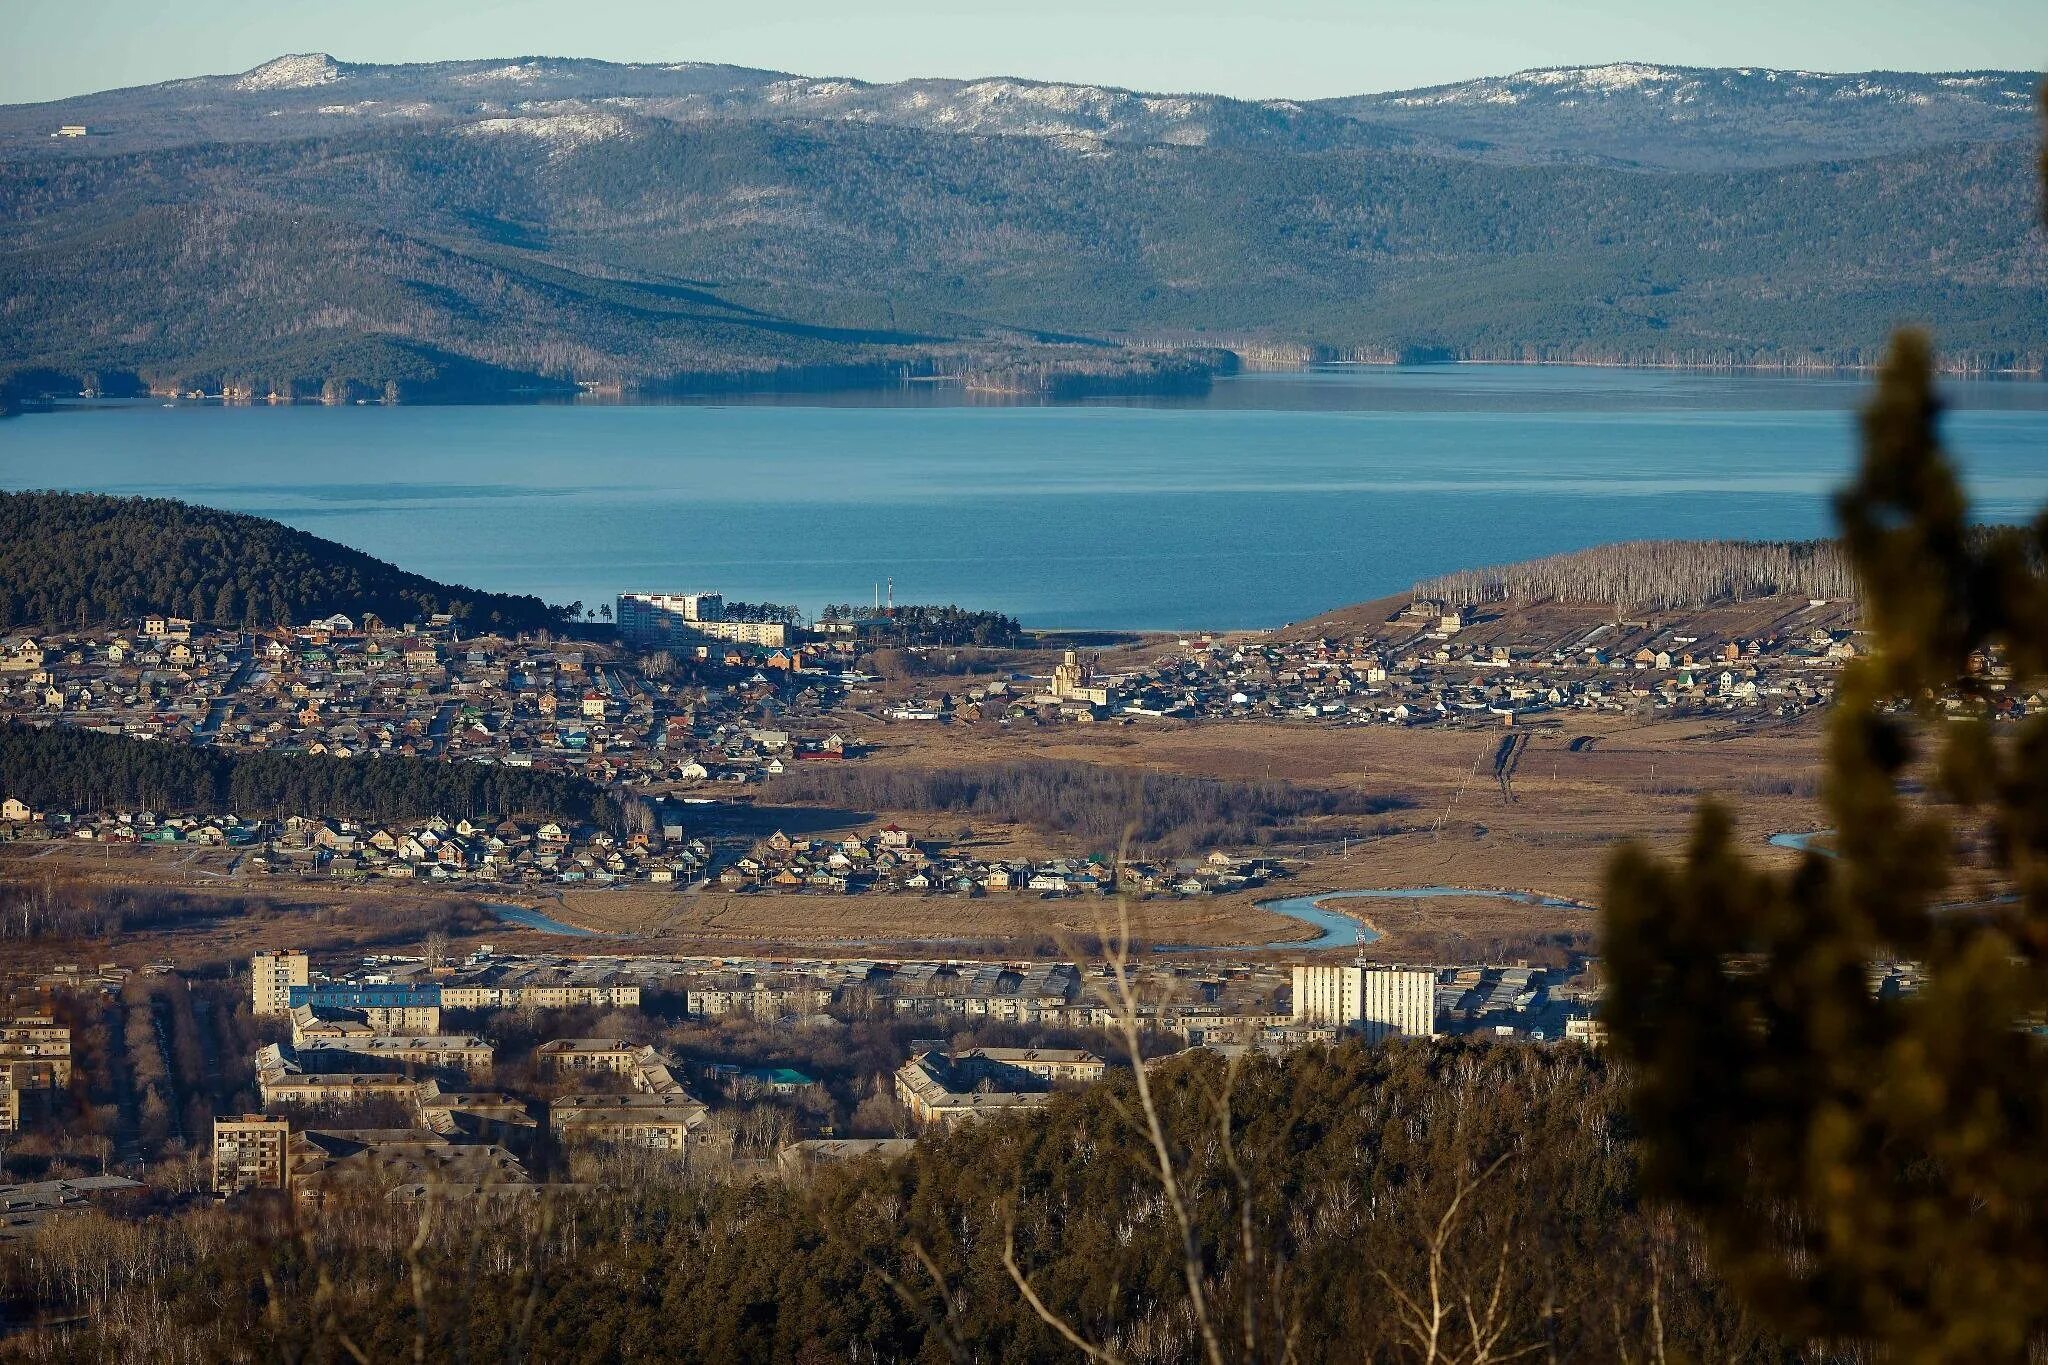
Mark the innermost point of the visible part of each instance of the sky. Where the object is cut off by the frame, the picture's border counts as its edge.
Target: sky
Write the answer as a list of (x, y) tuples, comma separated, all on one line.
[(1302, 49)]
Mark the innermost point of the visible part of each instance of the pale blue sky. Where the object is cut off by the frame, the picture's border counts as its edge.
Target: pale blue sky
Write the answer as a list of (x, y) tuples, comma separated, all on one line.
[(1257, 48)]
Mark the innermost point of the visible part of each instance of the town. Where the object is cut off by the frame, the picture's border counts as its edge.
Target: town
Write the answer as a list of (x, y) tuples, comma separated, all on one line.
[(397, 1073)]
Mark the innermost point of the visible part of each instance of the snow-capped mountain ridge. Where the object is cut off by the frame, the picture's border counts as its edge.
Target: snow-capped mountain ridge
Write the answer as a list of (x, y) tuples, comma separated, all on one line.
[(1680, 84), (1635, 114)]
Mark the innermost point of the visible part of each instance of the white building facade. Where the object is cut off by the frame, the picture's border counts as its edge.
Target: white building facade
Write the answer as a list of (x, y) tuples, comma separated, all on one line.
[(1381, 1002)]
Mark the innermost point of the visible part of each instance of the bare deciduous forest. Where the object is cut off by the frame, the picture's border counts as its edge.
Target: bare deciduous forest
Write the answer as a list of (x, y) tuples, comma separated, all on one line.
[(1659, 575), (1166, 814), (1352, 1157)]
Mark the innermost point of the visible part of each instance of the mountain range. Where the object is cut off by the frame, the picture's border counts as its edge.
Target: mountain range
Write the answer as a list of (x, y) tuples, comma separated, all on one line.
[(473, 228)]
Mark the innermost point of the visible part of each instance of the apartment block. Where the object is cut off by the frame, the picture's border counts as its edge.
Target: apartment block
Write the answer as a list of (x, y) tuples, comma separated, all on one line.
[(1381, 1002), (1045, 1063), (271, 978), (282, 1082), (250, 1153), (438, 1052), (936, 1088), (35, 1052), (654, 618), (656, 1122)]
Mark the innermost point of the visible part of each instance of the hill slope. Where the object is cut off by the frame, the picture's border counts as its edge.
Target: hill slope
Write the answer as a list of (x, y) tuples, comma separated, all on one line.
[(703, 225), (1700, 118), (1632, 113), (75, 559)]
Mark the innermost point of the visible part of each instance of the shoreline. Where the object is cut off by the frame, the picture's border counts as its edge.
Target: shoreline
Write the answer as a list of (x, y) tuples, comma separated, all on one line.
[(769, 389)]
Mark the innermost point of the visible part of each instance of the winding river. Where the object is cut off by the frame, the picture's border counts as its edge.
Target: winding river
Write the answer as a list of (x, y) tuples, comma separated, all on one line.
[(521, 917), (1801, 842), (1340, 930)]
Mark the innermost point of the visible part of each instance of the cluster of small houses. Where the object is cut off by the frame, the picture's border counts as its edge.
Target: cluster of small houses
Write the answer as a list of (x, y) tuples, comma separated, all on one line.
[(504, 851), (331, 688), (525, 852), (1418, 670), (509, 851), (891, 860)]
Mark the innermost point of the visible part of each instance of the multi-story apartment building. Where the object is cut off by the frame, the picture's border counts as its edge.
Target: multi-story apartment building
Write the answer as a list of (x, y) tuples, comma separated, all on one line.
[(657, 1122), (250, 1153), (1046, 1063), (435, 1052), (1398, 1002), (637, 1062), (271, 979), (589, 1054), (35, 1052), (653, 618), (280, 1082), (389, 1005), (1381, 1002), (936, 1088), (548, 996)]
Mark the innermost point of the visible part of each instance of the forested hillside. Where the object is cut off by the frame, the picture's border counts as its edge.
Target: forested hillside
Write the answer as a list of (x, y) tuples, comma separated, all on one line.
[(1348, 1160), (1705, 118), (60, 768), (1638, 114), (79, 559), (1663, 575), (616, 245), (1659, 574)]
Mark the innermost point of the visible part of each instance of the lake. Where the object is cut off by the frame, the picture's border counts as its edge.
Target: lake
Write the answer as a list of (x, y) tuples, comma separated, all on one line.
[(1274, 497)]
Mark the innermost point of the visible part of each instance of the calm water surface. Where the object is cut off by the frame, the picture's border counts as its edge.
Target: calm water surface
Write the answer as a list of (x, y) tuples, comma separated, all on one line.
[(1273, 498)]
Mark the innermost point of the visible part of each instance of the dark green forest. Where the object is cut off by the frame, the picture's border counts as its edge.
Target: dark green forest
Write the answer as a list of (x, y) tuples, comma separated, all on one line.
[(931, 625), (60, 768), (1345, 1161), (79, 559), (730, 252)]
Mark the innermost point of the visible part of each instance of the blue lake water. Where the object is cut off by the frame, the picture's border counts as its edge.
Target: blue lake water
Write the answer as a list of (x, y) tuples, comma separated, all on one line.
[(1273, 498)]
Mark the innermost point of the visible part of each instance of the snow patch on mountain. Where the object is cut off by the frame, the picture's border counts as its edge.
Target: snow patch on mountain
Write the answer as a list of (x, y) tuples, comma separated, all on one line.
[(379, 109), (1615, 76), (562, 133), (513, 73), (299, 71), (1569, 86), (803, 90)]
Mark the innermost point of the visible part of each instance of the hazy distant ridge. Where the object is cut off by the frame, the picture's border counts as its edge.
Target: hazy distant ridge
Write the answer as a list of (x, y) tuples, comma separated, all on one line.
[(469, 229), (1628, 113)]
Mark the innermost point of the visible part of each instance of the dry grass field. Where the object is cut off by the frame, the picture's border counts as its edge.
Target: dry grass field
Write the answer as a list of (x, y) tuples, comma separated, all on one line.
[(1576, 793), (714, 920), (1577, 790)]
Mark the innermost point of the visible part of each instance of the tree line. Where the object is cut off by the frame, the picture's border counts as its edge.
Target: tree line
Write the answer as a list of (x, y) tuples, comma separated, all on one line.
[(1658, 575), (914, 624), (65, 769), (73, 560), (1165, 814), (1310, 1226)]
